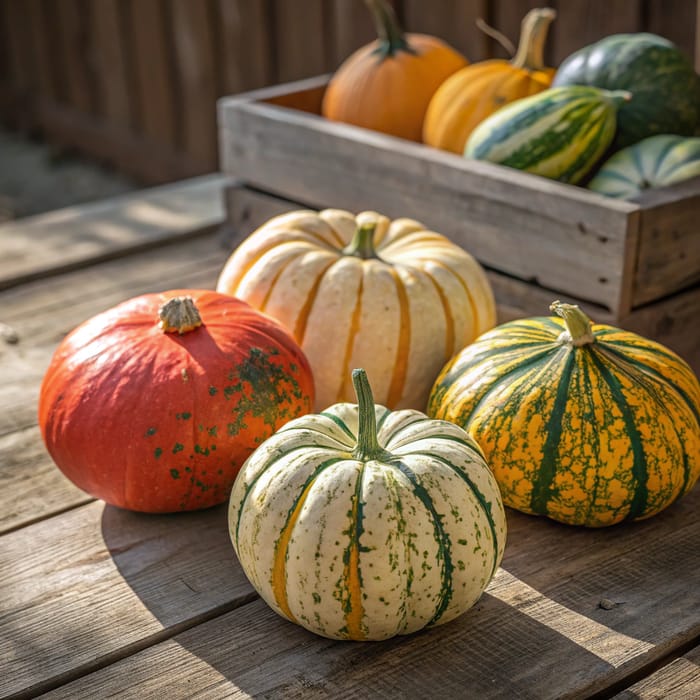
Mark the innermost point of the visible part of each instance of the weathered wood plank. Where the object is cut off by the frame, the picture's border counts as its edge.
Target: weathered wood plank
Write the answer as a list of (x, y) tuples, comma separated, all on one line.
[(351, 27), (154, 80), (193, 38), (669, 245), (571, 612), (78, 235), (96, 583), (679, 680)]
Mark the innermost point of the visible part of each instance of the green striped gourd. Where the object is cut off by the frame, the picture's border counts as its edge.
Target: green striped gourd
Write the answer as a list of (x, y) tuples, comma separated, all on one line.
[(661, 77), (362, 523), (559, 133), (658, 161), (587, 424)]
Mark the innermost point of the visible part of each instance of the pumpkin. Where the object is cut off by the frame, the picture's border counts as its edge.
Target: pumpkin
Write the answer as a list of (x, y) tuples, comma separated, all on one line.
[(155, 404), (657, 161), (664, 85), (560, 133), (386, 85), (475, 92), (362, 523), (587, 424), (392, 297)]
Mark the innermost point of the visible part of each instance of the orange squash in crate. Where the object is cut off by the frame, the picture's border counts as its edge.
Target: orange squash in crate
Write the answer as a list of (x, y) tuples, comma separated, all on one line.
[(475, 92), (386, 85)]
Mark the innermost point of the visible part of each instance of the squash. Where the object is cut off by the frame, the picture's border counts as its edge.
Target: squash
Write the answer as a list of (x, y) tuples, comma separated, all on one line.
[(386, 85), (664, 85), (363, 291), (560, 133), (586, 424), (155, 404), (475, 92), (657, 161), (361, 523)]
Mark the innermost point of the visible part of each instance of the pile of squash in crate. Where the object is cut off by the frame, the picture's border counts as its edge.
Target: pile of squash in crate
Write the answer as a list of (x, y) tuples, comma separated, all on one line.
[(363, 520), (620, 116)]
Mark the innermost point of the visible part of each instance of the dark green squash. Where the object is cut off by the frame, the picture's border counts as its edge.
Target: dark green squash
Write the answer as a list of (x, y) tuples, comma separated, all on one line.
[(665, 88)]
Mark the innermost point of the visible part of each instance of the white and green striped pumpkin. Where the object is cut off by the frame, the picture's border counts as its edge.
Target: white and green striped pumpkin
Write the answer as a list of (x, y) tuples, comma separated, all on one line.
[(559, 133), (657, 161), (586, 424), (364, 523)]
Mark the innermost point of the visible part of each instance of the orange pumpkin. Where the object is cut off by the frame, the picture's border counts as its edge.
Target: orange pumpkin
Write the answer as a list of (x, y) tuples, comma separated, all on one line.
[(475, 92), (386, 85)]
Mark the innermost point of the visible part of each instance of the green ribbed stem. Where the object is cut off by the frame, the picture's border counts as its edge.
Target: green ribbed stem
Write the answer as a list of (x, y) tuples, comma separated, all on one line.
[(362, 243), (578, 326), (368, 446), (389, 34)]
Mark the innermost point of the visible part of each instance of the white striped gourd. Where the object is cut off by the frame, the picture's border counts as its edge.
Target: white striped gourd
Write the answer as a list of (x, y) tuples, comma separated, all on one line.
[(362, 523), (560, 133), (657, 161), (389, 296)]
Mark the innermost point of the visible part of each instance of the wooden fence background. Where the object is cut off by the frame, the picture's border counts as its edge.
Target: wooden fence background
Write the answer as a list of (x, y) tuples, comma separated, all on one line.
[(135, 82)]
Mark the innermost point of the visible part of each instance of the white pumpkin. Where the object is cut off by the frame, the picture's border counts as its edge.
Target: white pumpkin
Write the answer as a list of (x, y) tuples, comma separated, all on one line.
[(364, 291), (362, 523)]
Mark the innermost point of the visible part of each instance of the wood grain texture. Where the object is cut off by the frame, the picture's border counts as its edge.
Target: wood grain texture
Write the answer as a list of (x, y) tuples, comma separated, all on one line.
[(570, 612), (350, 26), (679, 680), (669, 245), (79, 235), (561, 237), (195, 61), (97, 583), (153, 77)]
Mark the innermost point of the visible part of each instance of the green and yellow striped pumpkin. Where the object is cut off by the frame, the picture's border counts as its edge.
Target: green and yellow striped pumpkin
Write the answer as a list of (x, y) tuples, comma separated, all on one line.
[(658, 161), (362, 523), (587, 424), (559, 133)]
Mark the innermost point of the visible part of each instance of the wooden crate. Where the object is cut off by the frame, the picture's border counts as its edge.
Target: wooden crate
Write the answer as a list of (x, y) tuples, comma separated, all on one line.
[(634, 264)]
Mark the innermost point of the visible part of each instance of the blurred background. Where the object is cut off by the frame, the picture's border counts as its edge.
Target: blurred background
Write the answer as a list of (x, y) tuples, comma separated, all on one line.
[(98, 97)]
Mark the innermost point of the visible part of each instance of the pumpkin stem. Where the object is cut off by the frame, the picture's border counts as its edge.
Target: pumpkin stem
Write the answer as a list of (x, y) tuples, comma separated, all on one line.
[(578, 326), (362, 243), (389, 33), (368, 446), (179, 315), (533, 34)]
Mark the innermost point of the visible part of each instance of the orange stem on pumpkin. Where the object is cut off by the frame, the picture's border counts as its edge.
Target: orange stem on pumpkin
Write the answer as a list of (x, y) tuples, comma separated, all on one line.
[(179, 315)]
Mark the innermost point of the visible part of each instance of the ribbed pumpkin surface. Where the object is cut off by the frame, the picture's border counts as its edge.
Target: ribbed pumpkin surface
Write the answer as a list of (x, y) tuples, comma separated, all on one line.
[(559, 133), (589, 435), (658, 161), (363, 291), (368, 543)]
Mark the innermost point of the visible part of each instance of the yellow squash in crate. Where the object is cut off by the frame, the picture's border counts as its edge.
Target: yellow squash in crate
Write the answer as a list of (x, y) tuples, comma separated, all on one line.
[(586, 424), (389, 296), (475, 92)]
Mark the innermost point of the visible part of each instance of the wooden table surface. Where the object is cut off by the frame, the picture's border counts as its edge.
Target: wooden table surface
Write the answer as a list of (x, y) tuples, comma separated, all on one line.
[(98, 602)]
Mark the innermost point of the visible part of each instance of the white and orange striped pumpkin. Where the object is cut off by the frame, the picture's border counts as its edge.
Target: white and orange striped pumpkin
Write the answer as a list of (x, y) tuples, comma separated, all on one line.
[(364, 291), (362, 523)]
